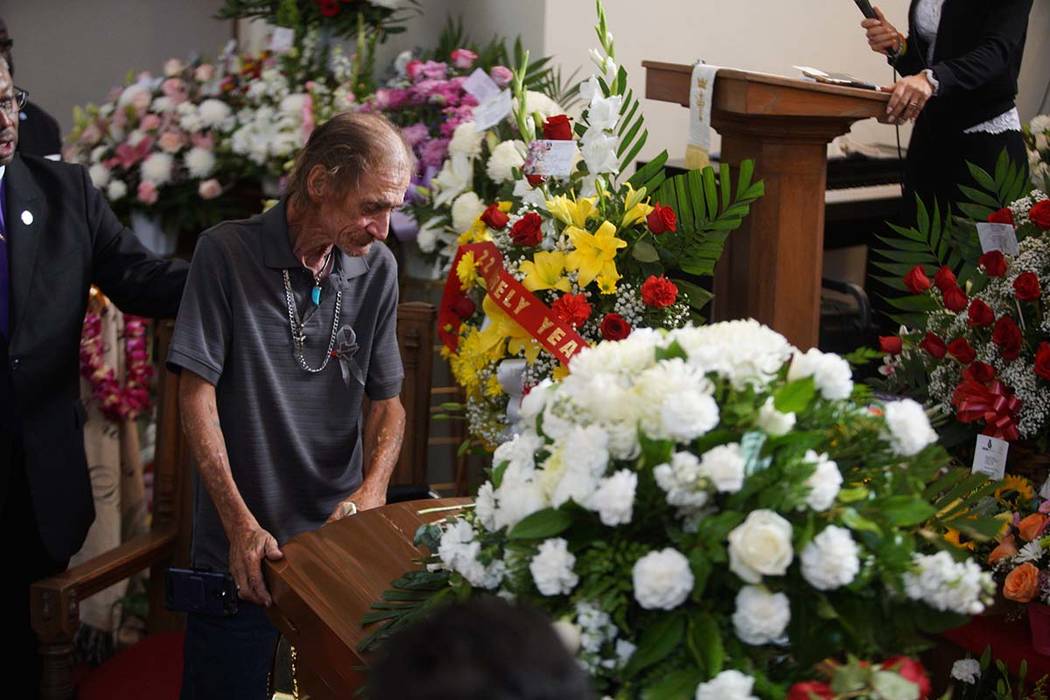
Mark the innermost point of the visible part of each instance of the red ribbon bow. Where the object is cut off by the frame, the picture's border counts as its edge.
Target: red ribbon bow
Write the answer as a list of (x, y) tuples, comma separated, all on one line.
[(992, 403)]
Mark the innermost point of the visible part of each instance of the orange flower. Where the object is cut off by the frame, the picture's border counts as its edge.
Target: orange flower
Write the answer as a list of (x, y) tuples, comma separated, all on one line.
[(1006, 548), (1031, 526), (1022, 583)]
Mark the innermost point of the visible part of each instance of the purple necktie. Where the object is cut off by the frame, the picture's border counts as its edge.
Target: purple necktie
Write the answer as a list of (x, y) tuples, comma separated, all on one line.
[(5, 277)]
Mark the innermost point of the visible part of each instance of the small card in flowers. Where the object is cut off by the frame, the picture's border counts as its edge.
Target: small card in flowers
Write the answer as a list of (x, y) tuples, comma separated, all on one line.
[(282, 40), (491, 112), (1001, 237), (548, 158), (481, 86), (989, 457)]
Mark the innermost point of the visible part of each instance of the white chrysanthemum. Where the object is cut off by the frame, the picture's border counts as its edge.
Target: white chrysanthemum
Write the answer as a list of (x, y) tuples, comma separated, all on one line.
[(824, 483), (551, 568), (727, 685), (116, 190), (1030, 552), (200, 162), (538, 102), (662, 580), (162, 105), (614, 499), (157, 168), (760, 616), (99, 175), (966, 670), (744, 352), (604, 112), (466, 210), (466, 141), (680, 480), (760, 546), (831, 374), (599, 152), (946, 585), (772, 421), (831, 559), (505, 157), (723, 466), (213, 112), (189, 117), (910, 429)]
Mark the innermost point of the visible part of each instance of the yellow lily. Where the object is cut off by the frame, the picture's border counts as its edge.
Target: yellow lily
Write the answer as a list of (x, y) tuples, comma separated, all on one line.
[(503, 327), (636, 207), (545, 271), (595, 255), (573, 212)]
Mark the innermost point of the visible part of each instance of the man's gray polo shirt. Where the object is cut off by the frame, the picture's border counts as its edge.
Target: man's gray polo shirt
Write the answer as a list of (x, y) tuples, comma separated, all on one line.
[(293, 437)]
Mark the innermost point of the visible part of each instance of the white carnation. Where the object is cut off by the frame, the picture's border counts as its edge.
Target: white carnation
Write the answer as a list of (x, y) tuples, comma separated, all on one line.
[(824, 483), (200, 162), (723, 466), (662, 580), (213, 112), (458, 551), (614, 499), (577, 463), (831, 374), (760, 546), (727, 685), (485, 506), (466, 141), (116, 190), (910, 429), (551, 568), (533, 403), (966, 670), (99, 175), (744, 352), (505, 157), (157, 168), (772, 421), (946, 585), (760, 616), (680, 480), (831, 559), (685, 416), (465, 211)]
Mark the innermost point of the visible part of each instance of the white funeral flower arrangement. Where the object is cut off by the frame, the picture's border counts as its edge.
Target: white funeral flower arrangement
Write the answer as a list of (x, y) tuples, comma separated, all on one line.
[(723, 550)]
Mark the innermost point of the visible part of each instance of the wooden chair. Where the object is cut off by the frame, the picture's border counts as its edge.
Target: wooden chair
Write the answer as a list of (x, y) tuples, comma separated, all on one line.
[(55, 602)]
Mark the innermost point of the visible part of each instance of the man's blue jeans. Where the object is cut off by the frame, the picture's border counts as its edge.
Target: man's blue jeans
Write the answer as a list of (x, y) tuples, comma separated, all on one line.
[(229, 658)]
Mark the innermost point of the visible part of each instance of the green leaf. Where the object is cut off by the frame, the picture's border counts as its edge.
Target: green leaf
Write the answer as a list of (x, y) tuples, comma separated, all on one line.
[(795, 397), (644, 251), (854, 521), (541, 525), (674, 686), (497, 473), (698, 296), (705, 640), (904, 511), (657, 642)]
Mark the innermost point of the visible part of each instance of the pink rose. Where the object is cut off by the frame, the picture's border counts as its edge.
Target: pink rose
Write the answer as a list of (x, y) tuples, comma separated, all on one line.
[(209, 189), (171, 141), (502, 75), (202, 140), (204, 73), (175, 89), (463, 58), (147, 193), (173, 66), (150, 122)]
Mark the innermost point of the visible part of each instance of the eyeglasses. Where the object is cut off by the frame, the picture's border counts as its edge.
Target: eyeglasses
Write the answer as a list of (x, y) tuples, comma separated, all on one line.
[(12, 104)]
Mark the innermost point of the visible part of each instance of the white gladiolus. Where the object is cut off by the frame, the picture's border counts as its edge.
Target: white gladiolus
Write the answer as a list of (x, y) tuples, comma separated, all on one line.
[(604, 112), (760, 546), (760, 617), (910, 430), (599, 152), (455, 177), (662, 580)]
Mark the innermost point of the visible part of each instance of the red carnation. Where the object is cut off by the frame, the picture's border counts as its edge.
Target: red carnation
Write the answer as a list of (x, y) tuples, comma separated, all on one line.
[(1042, 360), (961, 350), (934, 345), (463, 307), (1026, 286), (329, 8), (955, 299), (557, 128), (807, 690), (980, 372), (661, 220), (1040, 214), (1008, 337), (659, 292), (528, 230), (945, 279), (994, 263), (981, 314), (891, 344), (572, 309), (615, 327), (1003, 216), (494, 218), (910, 670), (916, 280)]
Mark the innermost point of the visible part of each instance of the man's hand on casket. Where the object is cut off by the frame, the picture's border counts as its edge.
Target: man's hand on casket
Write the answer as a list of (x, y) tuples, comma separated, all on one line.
[(365, 498), (247, 550)]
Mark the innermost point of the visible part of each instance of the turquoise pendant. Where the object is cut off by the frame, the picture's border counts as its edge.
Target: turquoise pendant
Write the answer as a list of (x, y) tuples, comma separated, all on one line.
[(315, 295)]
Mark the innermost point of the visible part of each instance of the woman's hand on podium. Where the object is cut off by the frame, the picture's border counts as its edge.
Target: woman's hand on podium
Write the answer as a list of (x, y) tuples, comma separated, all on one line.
[(247, 550), (882, 36), (910, 95)]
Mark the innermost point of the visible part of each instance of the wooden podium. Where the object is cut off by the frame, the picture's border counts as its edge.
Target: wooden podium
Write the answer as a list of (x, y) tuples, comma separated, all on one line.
[(327, 581), (771, 270)]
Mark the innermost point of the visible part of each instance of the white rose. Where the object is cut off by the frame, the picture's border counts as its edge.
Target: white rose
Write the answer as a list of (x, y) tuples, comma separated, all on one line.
[(200, 162), (772, 421), (569, 634), (831, 559), (760, 546), (157, 168), (99, 175), (213, 112), (910, 429), (662, 580), (727, 685), (466, 140), (831, 374), (760, 616), (116, 190), (723, 466), (465, 211), (966, 670), (614, 499), (604, 112), (505, 157), (825, 482), (551, 568)]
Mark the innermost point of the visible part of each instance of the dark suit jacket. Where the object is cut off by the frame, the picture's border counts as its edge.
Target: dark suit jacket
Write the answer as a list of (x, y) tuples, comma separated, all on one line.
[(62, 237), (976, 60), (38, 132)]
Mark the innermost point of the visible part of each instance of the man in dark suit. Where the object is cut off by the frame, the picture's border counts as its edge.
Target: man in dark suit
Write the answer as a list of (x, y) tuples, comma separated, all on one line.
[(38, 132), (57, 237)]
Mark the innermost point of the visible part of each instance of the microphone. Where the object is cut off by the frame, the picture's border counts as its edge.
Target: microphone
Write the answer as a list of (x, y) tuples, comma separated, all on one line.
[(868, 11)]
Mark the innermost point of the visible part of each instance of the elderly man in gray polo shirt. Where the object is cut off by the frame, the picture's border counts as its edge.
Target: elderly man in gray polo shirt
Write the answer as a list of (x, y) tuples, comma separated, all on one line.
[(287, 323)]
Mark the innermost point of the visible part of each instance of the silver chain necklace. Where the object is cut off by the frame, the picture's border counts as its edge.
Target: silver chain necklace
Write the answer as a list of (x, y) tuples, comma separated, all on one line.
[(298, 334)]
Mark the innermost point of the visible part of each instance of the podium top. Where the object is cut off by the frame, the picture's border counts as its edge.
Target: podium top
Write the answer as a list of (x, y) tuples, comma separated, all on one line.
[(761, 94)]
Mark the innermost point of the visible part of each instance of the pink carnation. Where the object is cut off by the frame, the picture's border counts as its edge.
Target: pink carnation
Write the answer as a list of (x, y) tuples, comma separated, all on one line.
[(415, 133), (434, 70), (413, 68), (209, 189), (502, 75), (147, 192), (463, 58)]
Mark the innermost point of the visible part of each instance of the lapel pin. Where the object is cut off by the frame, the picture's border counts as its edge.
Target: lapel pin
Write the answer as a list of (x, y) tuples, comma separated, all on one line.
[(27, 217)]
